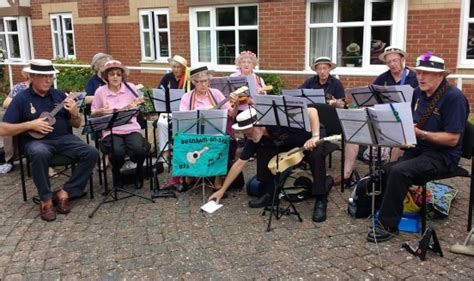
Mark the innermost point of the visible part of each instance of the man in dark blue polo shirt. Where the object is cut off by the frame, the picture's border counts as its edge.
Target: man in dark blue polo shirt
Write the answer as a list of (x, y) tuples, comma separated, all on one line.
[(440, 111), (333, 89), (38, 98)]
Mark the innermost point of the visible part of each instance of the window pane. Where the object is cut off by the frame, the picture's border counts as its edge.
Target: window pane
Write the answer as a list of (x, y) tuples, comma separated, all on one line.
[(58, 46), (3, 46), (350, 46), (225, 16), (380, 39), (471, 9), (351, 10), (67, 24), (70, 44), (248, 41), (12, 25), (162, 22), (470, 42), (204, 46), (164, 44), (225, 47), (248, 15), (204, 19), (2, 28), (322, 12), (14, 46), (55, 24), (146, 23), (147, 43), (320, 43), (382, 10)]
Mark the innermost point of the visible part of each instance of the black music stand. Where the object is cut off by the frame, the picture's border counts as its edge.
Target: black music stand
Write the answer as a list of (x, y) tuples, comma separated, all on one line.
[(229, 84), (375, 94), (198, 122), (388, 125), (312, 96), (281, 111), (108, 122)]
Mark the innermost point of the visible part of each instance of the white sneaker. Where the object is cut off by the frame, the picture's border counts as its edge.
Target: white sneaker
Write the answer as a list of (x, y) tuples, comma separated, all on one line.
[(6, 168)]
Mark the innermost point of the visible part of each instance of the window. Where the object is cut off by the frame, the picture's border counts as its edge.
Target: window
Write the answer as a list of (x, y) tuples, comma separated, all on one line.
[(62, 33), (466, 49), (155, 35), (15, 38), (219, 34), (353, 32)]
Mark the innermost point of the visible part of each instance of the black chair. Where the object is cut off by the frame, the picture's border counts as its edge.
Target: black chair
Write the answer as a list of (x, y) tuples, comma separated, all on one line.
[(329, 118), (58, 160), (468, 153)]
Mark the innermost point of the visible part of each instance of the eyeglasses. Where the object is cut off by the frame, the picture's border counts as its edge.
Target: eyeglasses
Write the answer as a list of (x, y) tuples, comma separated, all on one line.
[(389, 62), (203, 82), (45, 76), (115, 73)]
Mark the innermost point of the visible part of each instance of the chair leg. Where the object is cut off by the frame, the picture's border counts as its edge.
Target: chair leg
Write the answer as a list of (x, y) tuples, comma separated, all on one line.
[(471, 202), (23, 183), (423, 209)]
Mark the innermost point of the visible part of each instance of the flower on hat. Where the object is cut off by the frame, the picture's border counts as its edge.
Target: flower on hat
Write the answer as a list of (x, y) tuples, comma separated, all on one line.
[(426, 56)]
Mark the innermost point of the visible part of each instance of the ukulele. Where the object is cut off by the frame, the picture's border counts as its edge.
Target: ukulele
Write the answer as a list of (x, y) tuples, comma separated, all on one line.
[(294, 156), (50, 115), (242, 91), (245, 99), (194, 156)]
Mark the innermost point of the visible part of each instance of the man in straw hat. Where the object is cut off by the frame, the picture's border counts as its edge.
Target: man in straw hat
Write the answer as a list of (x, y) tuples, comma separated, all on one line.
[(440, 111), (38, 98), (397, 74), (333, 89), (261, 140)]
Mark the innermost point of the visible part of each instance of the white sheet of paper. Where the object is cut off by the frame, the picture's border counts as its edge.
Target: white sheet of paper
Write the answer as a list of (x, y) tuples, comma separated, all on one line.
[(355, 126), (211, 206)]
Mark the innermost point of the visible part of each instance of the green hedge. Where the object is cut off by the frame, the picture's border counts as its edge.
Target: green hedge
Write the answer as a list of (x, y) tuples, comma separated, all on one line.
[(72, 79)]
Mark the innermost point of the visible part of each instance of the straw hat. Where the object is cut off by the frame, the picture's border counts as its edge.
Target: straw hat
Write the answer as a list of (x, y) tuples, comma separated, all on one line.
[(392, 50), (246, 119), (111, 64), (321, 60), (40, 66), (178, 59), (430, 63)]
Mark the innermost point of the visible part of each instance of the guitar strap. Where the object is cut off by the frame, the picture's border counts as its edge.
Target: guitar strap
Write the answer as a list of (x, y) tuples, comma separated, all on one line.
[(131, 90), (431, 107)]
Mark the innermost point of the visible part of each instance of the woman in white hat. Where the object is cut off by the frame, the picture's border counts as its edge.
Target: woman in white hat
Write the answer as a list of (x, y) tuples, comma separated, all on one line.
[(118, 94), (246, 63), (333, 89)]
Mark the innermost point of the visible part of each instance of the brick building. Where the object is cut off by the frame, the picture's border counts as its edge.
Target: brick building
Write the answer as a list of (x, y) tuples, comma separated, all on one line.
[(286, 35)]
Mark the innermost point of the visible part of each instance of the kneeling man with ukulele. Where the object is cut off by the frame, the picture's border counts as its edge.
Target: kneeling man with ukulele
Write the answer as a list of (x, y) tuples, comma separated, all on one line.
[(261, 140), (52, 106)]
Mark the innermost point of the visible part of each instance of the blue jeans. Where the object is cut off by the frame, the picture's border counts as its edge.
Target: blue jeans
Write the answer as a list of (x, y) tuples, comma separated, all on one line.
[(40, 153)]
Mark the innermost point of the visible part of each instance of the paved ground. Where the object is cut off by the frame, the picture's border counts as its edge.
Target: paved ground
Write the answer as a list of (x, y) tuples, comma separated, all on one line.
[(171, 239)]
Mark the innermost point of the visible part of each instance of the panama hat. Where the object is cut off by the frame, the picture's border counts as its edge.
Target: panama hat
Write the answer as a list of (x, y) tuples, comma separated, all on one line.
[(430, 63), (246, 119), (179, 59), (111, 64), (324, 60), (40, 66), (392, 50)]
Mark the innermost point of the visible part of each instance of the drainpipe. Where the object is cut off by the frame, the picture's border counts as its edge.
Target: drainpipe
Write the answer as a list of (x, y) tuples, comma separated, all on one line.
[(104, 26)]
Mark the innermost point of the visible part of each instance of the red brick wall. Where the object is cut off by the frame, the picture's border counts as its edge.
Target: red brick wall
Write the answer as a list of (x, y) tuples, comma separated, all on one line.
[(89, 40), (42, 42)]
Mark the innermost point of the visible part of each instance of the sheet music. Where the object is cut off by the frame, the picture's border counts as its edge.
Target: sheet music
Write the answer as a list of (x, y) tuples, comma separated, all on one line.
[(312, 96), (388, 130), (228, 84), (296, 115), (80, 98), (355, 125), (103, 122), (211, 206), (396, 93), (252, 84), (362, 96), (212, 122), (159, 99)]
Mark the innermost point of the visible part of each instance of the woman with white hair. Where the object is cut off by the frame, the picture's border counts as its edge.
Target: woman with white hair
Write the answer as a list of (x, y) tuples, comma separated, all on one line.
[(96, 81)]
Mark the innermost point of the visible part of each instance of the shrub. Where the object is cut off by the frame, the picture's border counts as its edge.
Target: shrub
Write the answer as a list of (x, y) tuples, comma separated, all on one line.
[(72, 79), (147, 93), (274, 80)]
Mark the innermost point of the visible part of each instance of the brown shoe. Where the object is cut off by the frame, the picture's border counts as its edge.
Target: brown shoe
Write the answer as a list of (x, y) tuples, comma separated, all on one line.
[(63, 205), (337, 180), (47, 212)]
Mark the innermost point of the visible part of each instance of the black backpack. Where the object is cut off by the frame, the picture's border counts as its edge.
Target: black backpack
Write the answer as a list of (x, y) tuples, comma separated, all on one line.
[(360, 204)]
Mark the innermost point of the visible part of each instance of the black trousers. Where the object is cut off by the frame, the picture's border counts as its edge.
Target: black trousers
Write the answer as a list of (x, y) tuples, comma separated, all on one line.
[(399, 176)]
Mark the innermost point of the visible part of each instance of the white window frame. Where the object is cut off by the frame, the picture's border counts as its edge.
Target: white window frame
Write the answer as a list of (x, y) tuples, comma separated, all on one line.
[(62, 51), (153, 32), (463, 62), (398, 36), (213, 29), (24, 38)]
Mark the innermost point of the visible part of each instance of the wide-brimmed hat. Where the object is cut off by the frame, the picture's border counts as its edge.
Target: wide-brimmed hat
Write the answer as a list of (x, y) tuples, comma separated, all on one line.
[(40, 66), (392, 50), (378, 46), (200, 70), (246, 119), (430, 63), (111, 64), (247, 54), (324, 60), (178, 59)]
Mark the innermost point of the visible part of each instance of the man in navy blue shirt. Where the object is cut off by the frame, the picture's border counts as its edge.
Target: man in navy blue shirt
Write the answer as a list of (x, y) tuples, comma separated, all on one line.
[(333, 89), (261, 140), (440, 111), (39, 98)]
